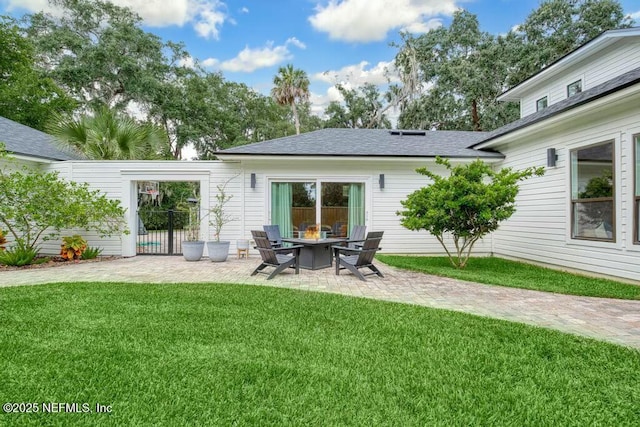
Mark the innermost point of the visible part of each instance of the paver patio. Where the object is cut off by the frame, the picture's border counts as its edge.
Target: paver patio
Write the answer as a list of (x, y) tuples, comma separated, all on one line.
[(612, 320)]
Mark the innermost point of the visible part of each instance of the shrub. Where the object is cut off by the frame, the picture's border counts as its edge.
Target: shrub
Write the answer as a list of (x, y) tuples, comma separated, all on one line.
[(72, 247), (91, 253), (18, 255), (36, 206), (467, 205)]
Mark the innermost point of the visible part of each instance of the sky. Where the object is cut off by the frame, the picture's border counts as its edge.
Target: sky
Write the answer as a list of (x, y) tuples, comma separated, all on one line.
[(333, 41)]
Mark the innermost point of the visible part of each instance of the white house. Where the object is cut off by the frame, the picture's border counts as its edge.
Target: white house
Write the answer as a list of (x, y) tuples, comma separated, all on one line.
[(580, 117)]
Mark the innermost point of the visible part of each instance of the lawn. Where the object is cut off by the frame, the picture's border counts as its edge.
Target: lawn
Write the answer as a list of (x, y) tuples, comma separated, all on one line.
[(502, 272), (209, 354)]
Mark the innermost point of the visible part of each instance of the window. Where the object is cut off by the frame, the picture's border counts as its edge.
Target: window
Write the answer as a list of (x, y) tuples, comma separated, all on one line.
[(541, 104), (636, 238), (592, 193), (295, 207), (573, 88)]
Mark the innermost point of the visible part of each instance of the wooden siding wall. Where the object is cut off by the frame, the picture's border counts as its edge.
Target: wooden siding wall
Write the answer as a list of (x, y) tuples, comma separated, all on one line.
[(540, 230), (110, 176), (616, 60), (382, 204)]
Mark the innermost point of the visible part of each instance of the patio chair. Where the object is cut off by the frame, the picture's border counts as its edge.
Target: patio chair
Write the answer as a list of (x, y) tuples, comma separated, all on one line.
[(357, 236), (275, 257), (354, 259), (273, 234)]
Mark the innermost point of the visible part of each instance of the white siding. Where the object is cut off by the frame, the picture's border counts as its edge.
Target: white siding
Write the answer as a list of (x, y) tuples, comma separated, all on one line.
[(618, 59), (400, 180), (540, 230), (115, 179)]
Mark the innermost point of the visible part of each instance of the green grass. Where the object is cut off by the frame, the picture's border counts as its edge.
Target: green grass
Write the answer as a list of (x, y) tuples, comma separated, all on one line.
[(207, 354), (502, 272)]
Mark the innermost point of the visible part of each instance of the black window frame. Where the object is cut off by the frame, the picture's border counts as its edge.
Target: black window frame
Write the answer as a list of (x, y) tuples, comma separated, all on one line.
[(636, 190), (546, 101), (577, 82), (611, 199)]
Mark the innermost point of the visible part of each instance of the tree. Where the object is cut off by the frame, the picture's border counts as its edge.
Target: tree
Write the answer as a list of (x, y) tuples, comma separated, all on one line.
[(108, 135), (558, 27), (26, 95), (362, 109), (467, 205), (291, 87), (98, 52), (464, 68), (35, 205)]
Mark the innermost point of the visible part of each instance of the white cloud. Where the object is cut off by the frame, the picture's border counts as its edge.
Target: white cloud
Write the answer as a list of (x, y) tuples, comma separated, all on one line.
[(187, 62), (423, 27), (251, 59), (32, 6), (206, 16), (635, 15), (371, 20), (297, 43), (244, 10), (359, 74), (210, 62)]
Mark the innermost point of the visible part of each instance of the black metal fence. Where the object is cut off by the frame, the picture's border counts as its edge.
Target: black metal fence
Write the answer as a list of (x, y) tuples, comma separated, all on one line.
[(161, 232)]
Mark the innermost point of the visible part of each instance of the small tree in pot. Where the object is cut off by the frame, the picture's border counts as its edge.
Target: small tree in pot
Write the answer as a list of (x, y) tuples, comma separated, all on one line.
[(219, 250), (192, 246)]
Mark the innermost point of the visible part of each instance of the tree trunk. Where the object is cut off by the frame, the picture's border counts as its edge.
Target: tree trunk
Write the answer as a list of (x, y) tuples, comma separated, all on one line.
[(296, 119), (474, 116)]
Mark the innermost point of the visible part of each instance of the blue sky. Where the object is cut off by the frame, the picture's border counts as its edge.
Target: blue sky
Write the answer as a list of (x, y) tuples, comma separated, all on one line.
[(344, 41)]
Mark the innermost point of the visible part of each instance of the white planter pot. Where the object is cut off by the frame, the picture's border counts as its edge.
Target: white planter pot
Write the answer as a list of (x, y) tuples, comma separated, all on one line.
[(242, 244), (218, 251), (192, 251)]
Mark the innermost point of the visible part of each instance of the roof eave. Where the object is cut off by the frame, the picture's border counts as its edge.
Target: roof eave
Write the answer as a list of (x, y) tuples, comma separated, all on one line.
[(591, 47), (619, 93), (340, 157)]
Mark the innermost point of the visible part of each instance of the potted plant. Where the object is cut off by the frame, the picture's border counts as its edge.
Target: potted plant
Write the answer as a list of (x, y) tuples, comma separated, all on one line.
[(219, 250), (192, 246)]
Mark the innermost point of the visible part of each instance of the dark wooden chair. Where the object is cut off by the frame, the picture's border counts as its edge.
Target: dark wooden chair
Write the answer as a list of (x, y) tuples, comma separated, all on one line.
[(273, 234), (357, 236), (274, 257), (354, 259)]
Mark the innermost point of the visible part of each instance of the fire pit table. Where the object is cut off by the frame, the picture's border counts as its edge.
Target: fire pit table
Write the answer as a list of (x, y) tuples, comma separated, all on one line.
[(315, 253)]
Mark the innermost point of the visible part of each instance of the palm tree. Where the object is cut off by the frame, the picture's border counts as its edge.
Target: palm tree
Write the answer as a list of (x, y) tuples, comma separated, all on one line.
[(291, 85), (108, 135)]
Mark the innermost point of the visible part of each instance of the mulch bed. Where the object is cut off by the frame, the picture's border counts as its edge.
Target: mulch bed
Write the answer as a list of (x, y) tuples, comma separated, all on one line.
[(55, 261)]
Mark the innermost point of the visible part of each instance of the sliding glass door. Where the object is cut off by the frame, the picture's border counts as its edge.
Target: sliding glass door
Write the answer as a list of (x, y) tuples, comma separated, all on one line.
[(296, 207), (342, 207), (293, 205)]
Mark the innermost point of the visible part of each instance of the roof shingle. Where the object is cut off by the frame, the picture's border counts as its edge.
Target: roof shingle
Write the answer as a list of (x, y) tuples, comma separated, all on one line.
[(370, 143), (26, 141)]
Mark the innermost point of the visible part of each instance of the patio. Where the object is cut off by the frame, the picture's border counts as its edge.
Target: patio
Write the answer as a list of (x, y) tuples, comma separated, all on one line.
[(616, 321)]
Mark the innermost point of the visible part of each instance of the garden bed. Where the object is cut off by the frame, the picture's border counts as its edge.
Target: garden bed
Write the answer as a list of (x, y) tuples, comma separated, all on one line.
[(55, 261)]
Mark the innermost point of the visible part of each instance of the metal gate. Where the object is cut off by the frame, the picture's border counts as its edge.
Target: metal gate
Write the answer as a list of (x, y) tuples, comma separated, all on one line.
[(161, 232)]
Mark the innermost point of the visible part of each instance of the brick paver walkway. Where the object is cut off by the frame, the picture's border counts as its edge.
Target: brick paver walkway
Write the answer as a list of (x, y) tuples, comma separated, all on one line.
[(616, 321)]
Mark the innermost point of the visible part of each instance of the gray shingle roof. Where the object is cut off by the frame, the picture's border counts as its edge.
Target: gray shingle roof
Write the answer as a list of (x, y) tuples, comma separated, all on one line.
[(369, 143), (26, 141), (616, 84)]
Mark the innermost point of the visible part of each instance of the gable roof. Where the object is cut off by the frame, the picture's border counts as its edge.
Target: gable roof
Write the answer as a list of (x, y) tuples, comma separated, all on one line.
[(590, 48), (369, 143), (611, 86), (25, 141)]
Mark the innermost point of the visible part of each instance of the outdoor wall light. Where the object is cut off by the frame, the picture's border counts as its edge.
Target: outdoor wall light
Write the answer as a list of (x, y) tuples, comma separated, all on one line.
[(552, 157), (253, 180), (381, 180)]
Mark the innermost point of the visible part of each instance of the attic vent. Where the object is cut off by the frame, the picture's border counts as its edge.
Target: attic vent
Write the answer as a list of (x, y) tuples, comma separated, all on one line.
[(408, 132)]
